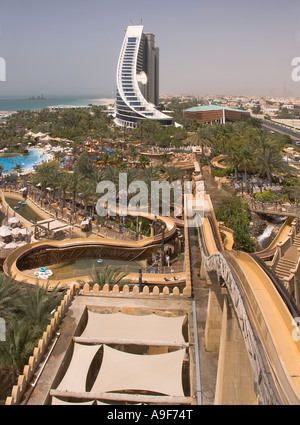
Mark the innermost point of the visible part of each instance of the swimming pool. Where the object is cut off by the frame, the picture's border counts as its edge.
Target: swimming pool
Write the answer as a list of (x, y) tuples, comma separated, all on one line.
[(34, 157)]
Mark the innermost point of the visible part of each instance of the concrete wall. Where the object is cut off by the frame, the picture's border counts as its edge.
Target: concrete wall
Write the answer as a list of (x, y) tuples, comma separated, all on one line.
[(42, 347)]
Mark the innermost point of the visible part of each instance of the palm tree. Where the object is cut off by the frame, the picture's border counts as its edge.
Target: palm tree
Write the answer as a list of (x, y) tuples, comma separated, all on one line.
[(38, 302), (63, 186), (73, 182), (165, 158), (1, 170), (84, 165), (221, 134), (171, 173), (109, 276), (246, 159), (45, 174), (270, 164), (87, 189), (202, 138), (261, 142), (17, 168), (144, 161), (21, 339), (8, 296), (148, 129), (234, 153)]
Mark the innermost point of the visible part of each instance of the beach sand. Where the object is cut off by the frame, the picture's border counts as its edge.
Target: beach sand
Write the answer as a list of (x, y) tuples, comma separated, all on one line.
[(106, 101)]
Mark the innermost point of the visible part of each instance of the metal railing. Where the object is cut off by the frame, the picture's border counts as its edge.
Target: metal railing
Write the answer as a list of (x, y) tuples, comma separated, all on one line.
[(273, 208), (107, 228)]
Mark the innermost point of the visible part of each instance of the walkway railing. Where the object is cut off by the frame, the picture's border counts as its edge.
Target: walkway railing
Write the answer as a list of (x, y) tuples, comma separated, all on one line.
[(277, 209), (82, 272), (107, 228)]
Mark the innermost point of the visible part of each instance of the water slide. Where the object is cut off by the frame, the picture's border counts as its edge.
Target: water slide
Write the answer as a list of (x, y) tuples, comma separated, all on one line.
[(215, 162), (134, 248), (269, 313), (269, 251), (280, 237)]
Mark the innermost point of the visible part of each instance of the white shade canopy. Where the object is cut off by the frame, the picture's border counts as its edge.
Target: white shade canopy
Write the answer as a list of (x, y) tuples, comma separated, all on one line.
[(151, 327), (24, 231), (58, 402), (13, 220), (5, 231), (11, 245), (21, 243), (160, 373), (16, 231), (75, 377)]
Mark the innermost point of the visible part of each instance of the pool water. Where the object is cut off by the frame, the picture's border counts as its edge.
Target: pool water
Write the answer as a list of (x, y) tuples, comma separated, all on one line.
[(35, 157), (86, 267)]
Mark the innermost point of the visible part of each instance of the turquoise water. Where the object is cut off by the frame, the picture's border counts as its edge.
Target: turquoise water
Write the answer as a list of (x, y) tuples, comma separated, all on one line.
[(35, 157), (23, 103)]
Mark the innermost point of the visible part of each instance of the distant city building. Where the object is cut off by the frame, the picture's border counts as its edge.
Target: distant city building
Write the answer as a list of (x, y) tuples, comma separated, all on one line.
[(288, 106), (214, 113), (138, 80), (271, 108)]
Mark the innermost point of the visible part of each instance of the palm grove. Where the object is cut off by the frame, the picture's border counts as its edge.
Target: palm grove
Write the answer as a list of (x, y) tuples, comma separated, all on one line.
[(247, 151)]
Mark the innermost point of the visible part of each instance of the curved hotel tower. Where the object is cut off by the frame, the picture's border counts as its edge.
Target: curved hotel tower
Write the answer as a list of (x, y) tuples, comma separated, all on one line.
[(137, 80)]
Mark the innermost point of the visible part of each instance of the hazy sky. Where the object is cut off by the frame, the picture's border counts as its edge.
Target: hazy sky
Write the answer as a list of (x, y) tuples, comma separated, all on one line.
[(206, 46)]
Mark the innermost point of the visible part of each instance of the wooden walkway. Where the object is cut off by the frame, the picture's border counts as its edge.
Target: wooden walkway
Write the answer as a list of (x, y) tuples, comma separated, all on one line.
[(272, 209)]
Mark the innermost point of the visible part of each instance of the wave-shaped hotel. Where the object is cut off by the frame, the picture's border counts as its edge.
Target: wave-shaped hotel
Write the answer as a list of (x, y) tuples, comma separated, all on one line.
[(138, 80)]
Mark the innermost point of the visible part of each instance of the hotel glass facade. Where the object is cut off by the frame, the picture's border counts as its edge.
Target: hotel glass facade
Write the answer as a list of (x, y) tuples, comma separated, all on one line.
[(137, 80)]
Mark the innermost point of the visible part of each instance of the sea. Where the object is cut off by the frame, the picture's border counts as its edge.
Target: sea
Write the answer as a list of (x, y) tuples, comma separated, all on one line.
[(22, 103)]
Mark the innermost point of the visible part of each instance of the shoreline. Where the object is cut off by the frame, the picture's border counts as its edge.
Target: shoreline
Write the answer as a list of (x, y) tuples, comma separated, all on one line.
[(106, 101)]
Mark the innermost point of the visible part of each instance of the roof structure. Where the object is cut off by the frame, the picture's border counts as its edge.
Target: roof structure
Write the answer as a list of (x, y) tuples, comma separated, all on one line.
[(122, 372), (205, 108), (120, 326)]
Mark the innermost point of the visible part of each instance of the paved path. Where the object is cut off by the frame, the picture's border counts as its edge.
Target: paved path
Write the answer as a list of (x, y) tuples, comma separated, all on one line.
[(200, 289)]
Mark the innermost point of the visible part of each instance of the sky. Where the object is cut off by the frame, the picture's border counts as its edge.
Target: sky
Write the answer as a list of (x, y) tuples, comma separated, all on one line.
[(220, 47)]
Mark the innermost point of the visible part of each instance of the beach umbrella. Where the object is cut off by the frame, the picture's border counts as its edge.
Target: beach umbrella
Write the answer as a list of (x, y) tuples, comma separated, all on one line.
[(5, 231), (22, 243), (16, 231), (13, 220), (11, 245), (25, 231)]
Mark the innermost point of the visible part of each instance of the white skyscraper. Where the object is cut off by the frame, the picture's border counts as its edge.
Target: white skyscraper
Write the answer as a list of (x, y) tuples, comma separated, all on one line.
[(138, 80)]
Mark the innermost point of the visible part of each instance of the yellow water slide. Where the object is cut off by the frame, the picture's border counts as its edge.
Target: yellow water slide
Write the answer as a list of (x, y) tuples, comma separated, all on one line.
[(10, 266), (270, 315)]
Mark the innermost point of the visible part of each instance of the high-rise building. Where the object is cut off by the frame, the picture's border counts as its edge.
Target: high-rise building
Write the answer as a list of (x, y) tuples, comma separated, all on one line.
[(138, 80)]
